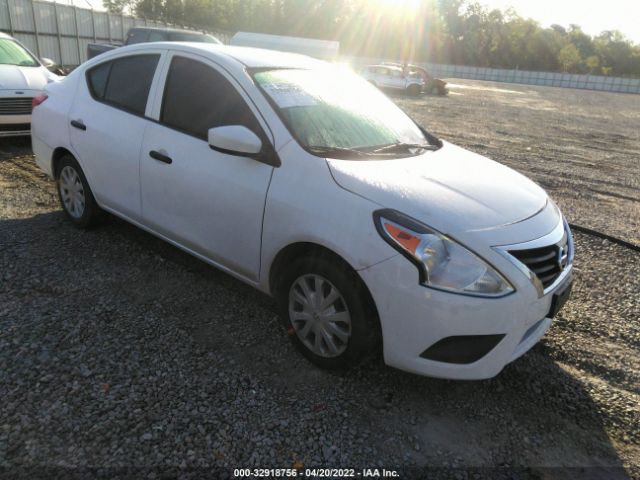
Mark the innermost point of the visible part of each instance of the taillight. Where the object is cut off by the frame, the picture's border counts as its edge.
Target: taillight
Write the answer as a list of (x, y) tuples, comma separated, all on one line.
[(38, 100)]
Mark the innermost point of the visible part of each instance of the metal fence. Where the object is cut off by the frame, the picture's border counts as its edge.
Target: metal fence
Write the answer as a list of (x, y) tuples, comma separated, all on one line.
[(551, 79), (62, 32)]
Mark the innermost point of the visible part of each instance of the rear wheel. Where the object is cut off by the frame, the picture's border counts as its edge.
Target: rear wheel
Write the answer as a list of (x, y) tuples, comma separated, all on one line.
[(413, 90), (74, 193), (328, 313)]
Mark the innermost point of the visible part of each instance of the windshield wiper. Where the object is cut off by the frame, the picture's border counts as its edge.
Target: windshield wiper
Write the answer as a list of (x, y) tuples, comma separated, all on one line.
[(326, 150), (403, 146)]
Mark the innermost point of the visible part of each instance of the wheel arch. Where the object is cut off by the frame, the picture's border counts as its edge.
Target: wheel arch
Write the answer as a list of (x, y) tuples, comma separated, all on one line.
[(56, 156), (297, 250)]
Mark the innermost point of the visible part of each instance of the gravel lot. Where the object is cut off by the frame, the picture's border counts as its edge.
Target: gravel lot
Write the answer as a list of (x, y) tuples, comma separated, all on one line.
[(582, 146), (121, 356)]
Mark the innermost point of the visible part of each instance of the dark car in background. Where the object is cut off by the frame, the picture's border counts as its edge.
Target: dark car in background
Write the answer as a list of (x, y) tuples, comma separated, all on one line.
[(149, 34)]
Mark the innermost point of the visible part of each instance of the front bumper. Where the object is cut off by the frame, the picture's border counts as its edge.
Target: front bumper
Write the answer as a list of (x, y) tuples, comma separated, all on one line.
[(15, 125), (414, 318)]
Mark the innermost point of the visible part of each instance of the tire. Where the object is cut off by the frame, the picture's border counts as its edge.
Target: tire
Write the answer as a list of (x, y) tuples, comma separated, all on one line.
[(74, 193), (354, 333), (413, 90)]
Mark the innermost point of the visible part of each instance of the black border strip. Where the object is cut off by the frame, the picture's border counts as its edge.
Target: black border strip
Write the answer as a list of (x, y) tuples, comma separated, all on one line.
[(596, 233)]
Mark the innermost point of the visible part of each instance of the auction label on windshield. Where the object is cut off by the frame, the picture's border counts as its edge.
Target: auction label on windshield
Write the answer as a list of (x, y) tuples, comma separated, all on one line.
[(286, 95), (315, 473)]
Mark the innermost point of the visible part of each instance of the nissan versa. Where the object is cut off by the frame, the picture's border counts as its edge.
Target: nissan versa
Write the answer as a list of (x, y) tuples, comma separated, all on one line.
[(306, 182)]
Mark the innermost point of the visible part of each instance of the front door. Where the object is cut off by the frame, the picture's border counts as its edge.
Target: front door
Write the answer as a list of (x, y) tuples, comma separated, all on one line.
[(207, 201)]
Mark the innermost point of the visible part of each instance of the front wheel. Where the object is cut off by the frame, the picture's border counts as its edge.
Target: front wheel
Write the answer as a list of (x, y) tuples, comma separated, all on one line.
[(328, 313), (75, 194)]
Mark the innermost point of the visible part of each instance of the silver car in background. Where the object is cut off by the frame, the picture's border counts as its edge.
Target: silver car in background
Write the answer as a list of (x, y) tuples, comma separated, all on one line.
[(394, 77)]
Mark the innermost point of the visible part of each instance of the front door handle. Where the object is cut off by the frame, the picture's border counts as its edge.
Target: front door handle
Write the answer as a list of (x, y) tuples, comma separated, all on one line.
[(78, 124), (160, 157)]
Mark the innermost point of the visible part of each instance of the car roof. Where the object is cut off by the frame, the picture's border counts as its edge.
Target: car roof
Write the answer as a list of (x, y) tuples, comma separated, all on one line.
[(247, 56)]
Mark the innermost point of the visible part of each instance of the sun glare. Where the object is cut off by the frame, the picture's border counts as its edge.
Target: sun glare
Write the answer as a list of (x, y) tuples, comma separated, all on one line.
[(398, 7)]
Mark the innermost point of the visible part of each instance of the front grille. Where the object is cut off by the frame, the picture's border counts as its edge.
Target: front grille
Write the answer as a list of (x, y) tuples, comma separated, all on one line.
[(15, 106), (547, 263)]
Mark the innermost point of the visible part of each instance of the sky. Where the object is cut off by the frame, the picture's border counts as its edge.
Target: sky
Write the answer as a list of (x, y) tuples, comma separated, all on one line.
[(593, 16)]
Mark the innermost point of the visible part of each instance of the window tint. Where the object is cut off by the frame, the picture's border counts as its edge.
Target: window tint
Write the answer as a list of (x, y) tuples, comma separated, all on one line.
[(97, 78), (197, 98), (129, 82)]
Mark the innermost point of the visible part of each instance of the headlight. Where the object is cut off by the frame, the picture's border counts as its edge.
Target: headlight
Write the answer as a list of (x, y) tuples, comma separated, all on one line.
[(442, 262)]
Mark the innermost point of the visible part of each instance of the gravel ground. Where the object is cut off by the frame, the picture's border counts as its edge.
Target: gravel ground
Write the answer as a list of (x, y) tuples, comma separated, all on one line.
[(548, 133), (120, 353)]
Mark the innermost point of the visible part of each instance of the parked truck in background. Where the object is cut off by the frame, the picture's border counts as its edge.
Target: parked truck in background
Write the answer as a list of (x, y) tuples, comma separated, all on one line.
[(149, 34)]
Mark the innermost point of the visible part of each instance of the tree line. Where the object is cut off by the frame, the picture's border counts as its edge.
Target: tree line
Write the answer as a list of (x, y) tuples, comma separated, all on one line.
[(462, 32)]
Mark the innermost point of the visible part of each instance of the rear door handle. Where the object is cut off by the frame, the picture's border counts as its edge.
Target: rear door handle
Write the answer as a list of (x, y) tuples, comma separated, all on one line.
[(78, 124), (160, 157)]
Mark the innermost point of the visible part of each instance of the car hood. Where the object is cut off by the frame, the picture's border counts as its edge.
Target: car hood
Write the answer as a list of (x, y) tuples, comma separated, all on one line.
[(452, 190), (14, 77)]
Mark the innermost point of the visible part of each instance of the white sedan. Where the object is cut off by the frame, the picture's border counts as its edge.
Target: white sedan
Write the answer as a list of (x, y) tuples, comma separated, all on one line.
[(22, 78), (306, 182)]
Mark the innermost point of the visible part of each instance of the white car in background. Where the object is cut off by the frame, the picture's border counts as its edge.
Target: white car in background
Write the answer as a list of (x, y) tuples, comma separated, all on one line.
[(309, 184), (394, 77), (22, 78)]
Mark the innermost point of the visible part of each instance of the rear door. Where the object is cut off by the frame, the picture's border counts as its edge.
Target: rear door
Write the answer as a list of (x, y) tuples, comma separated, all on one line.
[(208, 201), (107, 123), (384, 77)]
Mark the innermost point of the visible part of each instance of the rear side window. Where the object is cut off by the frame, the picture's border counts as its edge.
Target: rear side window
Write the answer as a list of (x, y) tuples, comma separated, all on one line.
[(97, 78), (124, 83), (197, 98)]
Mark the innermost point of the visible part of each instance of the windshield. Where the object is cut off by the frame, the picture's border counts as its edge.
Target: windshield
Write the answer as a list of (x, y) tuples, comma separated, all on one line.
[(331, 110), (11, 53)]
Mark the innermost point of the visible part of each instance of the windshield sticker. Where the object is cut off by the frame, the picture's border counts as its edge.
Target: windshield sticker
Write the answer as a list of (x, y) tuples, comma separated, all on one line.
[(287, 95)]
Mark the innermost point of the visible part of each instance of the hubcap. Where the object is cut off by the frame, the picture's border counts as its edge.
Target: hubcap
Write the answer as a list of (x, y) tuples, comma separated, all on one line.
[(319, 315), (71, 191)]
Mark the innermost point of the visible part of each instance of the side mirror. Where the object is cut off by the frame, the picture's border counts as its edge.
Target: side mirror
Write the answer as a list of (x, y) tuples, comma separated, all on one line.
[(47, 62), (235, 140)]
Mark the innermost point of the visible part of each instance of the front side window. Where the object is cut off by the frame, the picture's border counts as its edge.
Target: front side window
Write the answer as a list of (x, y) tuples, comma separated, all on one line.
[(197, 98), (327, 108), (125, 82), (12, 53)]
